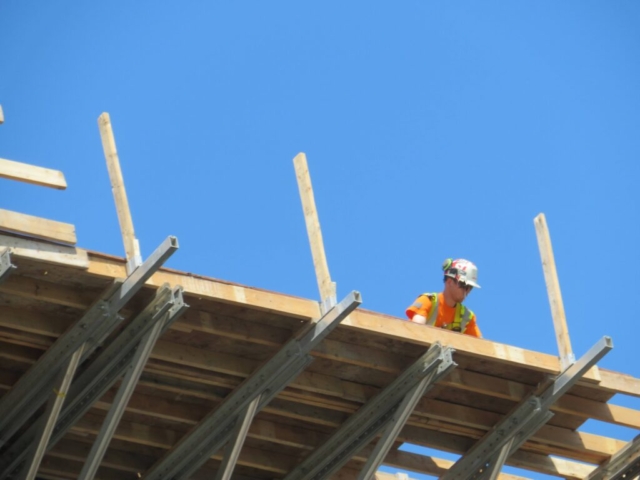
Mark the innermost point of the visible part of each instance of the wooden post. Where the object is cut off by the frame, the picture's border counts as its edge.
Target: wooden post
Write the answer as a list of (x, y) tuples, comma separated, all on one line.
[(325, 285), (131, 246), (1, 115), (553, 291)]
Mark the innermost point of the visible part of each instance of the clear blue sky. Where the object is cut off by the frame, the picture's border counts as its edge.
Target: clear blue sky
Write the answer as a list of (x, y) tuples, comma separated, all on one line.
[(432, 130)]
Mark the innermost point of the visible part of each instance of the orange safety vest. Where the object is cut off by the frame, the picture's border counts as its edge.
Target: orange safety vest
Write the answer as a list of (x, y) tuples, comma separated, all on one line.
[(461, 318)]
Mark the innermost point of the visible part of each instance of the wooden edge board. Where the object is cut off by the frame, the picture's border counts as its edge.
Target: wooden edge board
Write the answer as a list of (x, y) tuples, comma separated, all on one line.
[(24, 172), (37, 227), (46, 252)]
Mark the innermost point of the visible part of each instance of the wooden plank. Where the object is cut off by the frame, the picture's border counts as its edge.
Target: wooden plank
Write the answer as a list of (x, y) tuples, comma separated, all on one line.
[(46, 252), (131, 247), (37, 227), (24, 172), (555, 296), (32, 288), (326, 287), (166, 438)]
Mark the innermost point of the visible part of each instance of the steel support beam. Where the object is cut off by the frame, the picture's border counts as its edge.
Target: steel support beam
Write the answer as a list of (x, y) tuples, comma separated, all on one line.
[(481, 461), (32, 390), (134, 370), (623, 465), (6, 267), (395, 424), (48, 420), (168, 304), (363, 425), (211, 434), (234, 446)]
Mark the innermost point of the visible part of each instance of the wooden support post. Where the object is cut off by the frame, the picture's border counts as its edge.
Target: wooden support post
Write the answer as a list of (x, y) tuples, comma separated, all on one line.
[(1, 115), (131, 246), (567, 356), (325, 285)]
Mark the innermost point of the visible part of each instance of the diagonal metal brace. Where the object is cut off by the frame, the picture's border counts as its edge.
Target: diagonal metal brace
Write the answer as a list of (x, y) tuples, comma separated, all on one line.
[(400, 417), (363, 425), (624, 464), (523, 421), (215, 429), (103, 372)]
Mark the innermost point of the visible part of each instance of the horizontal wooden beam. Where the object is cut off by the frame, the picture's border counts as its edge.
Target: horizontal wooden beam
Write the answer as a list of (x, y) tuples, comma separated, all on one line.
[(37, 227), (45, 252), (23, 172)]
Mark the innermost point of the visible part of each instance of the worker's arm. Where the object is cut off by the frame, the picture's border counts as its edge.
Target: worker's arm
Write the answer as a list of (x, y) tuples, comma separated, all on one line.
[(419, 310)]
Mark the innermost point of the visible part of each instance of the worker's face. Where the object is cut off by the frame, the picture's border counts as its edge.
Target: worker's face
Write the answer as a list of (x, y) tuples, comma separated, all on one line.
[(459, 290)]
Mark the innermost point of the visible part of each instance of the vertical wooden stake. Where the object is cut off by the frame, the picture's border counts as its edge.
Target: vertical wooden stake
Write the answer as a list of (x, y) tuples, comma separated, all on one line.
[(131, 246), (325, 285), (553, 291)]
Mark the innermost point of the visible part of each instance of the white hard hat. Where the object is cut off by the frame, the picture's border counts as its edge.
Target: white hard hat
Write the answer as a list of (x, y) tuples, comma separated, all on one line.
[(461, 270)]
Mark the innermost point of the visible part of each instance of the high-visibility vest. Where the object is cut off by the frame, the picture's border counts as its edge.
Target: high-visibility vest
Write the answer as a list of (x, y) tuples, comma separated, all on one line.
[(460, 319)]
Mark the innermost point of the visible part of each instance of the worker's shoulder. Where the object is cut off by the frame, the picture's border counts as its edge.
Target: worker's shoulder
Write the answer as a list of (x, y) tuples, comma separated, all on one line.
[(429, 295)]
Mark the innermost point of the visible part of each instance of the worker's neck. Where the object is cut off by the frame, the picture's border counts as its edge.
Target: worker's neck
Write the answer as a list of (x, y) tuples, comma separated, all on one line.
[(448, 300)]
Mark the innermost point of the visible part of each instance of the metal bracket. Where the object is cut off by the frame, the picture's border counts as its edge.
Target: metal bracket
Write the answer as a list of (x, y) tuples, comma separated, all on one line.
[(395, 402), (103, 372), (6, 267), (216, 428), (623, 465), (485, 458)]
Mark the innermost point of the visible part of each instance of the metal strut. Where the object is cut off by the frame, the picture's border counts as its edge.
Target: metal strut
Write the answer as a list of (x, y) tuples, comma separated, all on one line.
[(215, 430), (486, 458), (167, 305), (623, 465), (392, 405)]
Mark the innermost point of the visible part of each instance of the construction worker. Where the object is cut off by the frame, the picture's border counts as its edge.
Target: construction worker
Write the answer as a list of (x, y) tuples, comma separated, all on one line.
[(445, 309)]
